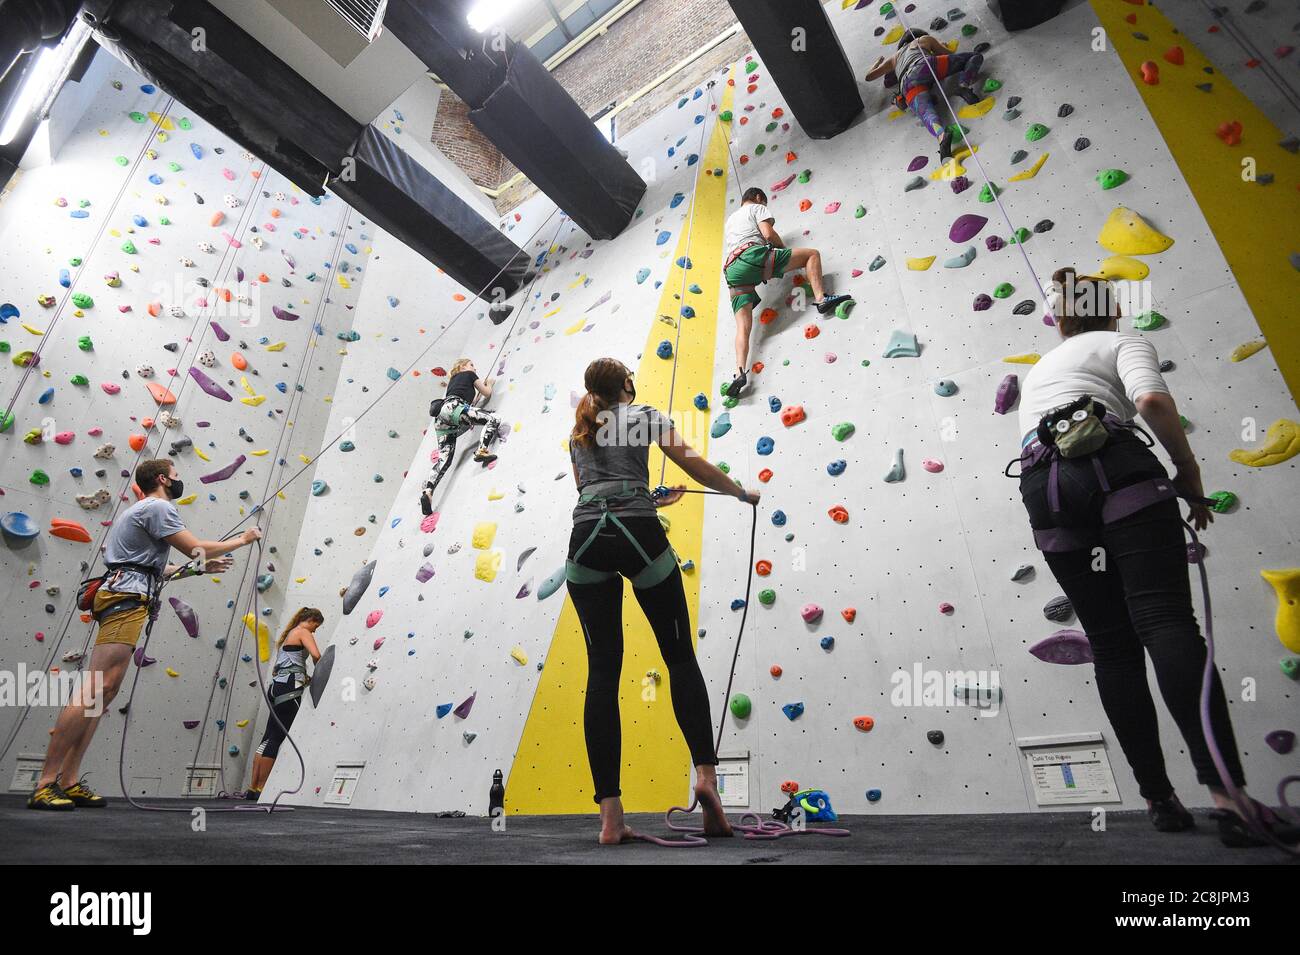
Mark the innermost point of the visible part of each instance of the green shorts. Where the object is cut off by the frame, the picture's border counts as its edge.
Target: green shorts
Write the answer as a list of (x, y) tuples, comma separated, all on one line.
[(748, 270)]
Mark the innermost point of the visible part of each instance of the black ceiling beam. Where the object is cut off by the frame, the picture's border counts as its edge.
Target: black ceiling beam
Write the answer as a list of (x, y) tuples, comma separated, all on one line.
[(523, 109), (257, 100)]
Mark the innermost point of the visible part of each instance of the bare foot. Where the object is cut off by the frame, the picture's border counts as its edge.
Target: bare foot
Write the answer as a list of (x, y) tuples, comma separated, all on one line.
[(615, 837), (715, 820)]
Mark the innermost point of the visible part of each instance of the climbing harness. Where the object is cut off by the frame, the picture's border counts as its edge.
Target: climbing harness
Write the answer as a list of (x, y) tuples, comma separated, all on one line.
[(87, 589), (769, 267), (656, 570)]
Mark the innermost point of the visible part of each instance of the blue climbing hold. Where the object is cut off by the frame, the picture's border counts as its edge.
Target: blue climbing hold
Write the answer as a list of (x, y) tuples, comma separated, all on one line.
[(641, 275), (443, 709), (663, 238), (737, 604), (873, 795), (774, 403), (721, 425), (683, 262), (765, 445), (688, 312), (46, 396), (197, 150), (702, 401), (140, 221), (17, 524), (665, 349), (836, 468), (792, 711), (676, 200), (945, 388), (827, 643), (65, 278), (778, 518)]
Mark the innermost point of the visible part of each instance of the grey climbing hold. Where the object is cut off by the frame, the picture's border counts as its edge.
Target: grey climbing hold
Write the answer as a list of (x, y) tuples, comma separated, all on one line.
[(357, 588), (528, 552), (916, 182), (877, 263), (1044, 225), (1019, 156), (902, 345), (1082, 143), (1013, 102), (1291, 144), (1023, 571), (1024, 308), (1011, 114), (1059, 609), (551, 584), (945, 388), (961, 261), (935, 737), (1065, 110), (896, 472)]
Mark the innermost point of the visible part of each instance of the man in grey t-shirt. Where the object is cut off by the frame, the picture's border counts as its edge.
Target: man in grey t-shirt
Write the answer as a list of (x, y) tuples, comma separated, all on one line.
[(135, 554)]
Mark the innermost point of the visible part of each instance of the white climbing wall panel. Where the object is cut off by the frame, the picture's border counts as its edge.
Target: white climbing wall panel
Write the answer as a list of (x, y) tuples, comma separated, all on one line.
[(40, 237)]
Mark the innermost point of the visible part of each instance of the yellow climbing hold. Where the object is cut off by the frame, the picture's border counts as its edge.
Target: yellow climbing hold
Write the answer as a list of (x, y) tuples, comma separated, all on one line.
[(920, 265), (519, 655), (578, 281), (574, 329), (978, 109), (1286, 584), (259, 628), (892, 37), (201, 456), (304, 459), (554, 311), (278, 346), (188, 499), (343, 281), (1028, 358), (1246, 349), (484, 534), (32, 329), (254, 401), (895, 114), (1127, 233), (495, 495), (487, 565), (242, 723), (1031, 172), (259, 454), (953, 167), (171, 672), (1123, 268), (1281, 442)]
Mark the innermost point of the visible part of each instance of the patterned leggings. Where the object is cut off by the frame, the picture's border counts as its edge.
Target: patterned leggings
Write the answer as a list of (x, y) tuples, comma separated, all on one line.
[(915, 86)]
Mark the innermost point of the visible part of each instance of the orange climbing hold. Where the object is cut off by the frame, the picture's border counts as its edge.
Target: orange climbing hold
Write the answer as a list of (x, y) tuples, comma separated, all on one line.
[(778, 113), (864, 723), (839, 514), (239, 361), (765, 475), (458, 297), (1150, 73), (776, 671), (136, 441), (160, 394), (217, 218), (791, 156), (1131, 18), (69, 531), (147, 423), (154, 309), (792, 414), (811, 331), (789, 787), (849, 614), (1229, 132), (1174, 55), (757, 367), (767, 316), (763, 568), (805, 205)]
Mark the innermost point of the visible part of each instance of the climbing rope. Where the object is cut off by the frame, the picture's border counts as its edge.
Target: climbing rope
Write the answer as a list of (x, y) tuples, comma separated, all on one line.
[(1223, 17)]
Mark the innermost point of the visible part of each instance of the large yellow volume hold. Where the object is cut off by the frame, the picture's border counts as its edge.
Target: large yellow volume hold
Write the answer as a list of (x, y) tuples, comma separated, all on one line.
[(1281, 442), (1127, 233), (1286, 584), (263, 636)]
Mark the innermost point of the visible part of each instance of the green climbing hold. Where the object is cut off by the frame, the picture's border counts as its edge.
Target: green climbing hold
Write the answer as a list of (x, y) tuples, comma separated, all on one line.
[(730, 402), (859, 212), (128, 247), (741, 706), (184, 123), (39, 477), (842, 430), (80, 380), (1005, 290), (174, 166), (958, 131), (1110, 178), (75, 261), (767, 597), (137, 116), (163, 220), (1184, 423), (771, 127), (85, 344), (1148, 321), (121, 160), (1290, 667), (1224, 501), (724, 467), (805, 175), (969, 29), (1021, 236), (6, 421), (82, 300), (866, 362), (989, 192), (4, 348), (991, 85), (725, 116), (886, 9), (843, 309), (751, 66), (760, 149), (1035, 132)]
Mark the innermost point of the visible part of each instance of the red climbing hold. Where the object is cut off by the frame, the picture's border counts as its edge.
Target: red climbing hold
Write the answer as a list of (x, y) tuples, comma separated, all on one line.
[(791, 156), (792, 415), (849, 614), (763, 568), (1150, 73), (778, 113), (776, 671), (1229, 132), (1174, 55), (757, 367), (811, 331), (1131, 18), (766, 316), (1252, 63), (864, 723), (839, 514)]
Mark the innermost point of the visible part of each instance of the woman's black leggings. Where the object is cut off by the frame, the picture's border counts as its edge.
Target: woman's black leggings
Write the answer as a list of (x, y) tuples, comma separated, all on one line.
[(1139, 597), (286, 711), (600, 610)]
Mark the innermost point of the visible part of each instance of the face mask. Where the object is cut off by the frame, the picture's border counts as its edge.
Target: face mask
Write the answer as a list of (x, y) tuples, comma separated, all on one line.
[(175, 489)]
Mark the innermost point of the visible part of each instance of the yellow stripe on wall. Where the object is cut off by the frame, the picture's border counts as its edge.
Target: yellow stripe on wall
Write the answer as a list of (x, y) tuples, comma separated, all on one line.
[(1255, 225), (550, 773)]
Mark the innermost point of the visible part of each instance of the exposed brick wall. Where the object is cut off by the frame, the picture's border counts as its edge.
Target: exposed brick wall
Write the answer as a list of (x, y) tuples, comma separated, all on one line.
[(462, 143), (610, 68)]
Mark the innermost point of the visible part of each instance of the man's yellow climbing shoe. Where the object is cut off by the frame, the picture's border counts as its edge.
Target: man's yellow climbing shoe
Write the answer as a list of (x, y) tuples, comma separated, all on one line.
[(50, 797), (84, 797)]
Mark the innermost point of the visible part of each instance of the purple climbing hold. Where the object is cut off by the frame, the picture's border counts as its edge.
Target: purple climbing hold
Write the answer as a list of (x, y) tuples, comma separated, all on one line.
[(189, 619), (994, 242), (425, 573), (1008, 392), (224, 473), (960, 184), (1280, 741), (208, 385), (918, 163), (1067, 647), (463, 710), (966, 227), (283, 314), (983, 302), (221, 333)]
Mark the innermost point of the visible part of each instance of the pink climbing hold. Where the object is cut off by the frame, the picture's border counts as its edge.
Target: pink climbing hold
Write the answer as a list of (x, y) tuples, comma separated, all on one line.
[(855, 273), (110, 388), (966, 227), (430, 522), (779, 186), (379, 641), (373, 618), (832, 207), (1067, 647), (931, 465), (64, 437), (946, 608), (811, 613)]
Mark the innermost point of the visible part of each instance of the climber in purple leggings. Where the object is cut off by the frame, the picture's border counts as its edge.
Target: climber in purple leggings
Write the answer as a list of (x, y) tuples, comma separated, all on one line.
[(919, 60)]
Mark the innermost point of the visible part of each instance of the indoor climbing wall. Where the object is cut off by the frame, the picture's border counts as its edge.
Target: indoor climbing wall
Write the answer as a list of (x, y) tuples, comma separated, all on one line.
[(165, 293), (891, 549)]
